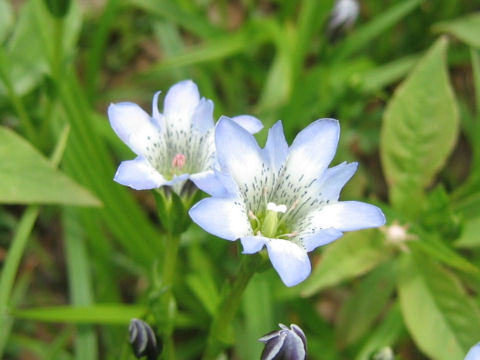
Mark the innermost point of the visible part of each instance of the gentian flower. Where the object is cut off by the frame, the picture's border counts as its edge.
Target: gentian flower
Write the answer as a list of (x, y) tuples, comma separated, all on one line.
[(474, 353), (285, 344), (280, 197), (172, 146)]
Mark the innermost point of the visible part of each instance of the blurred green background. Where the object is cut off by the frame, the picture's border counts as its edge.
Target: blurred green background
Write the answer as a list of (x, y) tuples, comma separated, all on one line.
[(79, 252)]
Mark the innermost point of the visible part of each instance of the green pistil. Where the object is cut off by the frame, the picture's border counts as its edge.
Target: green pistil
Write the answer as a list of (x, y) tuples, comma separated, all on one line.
[(270, 224)]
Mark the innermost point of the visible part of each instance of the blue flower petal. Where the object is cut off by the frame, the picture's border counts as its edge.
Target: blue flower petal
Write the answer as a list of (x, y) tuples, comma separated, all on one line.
[(474, 353), (320, 238), (215, 183), (289, 260), (253, 244), (177, 179), (335, 178), (249, 123), (138, 174), (203, 116), (314, 148), (348, 216), (237, 152), (157, 117), (224, 218), (180, 103), (133, 125), (276, 146)]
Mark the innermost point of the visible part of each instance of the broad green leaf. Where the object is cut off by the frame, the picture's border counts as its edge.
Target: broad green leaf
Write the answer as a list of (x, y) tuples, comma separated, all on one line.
[(352, 255), (365, 34), (419, 130), (365, 304), (441, 317), (95, 314), (26, 177), (466, 29)]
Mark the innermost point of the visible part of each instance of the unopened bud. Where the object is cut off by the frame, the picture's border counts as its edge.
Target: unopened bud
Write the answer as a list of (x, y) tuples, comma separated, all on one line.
[(287, 343), (143, 340)]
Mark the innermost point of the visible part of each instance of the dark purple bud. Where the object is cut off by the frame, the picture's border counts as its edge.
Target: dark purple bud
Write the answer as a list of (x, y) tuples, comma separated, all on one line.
[(285, 344), (143, 340)]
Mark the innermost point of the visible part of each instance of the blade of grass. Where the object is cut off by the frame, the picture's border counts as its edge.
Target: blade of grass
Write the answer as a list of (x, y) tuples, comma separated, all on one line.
[(98, 41), (79, 281)]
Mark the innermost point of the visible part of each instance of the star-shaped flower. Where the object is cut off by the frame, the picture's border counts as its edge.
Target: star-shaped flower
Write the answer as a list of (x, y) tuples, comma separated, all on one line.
[(172, 146), (284, 198)]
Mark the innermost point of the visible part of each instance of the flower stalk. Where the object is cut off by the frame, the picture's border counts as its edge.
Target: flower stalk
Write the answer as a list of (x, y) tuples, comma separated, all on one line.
[(220, 333)]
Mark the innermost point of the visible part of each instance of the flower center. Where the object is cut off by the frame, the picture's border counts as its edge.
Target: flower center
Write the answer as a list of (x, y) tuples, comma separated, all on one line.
[(178, 162), (271, 222)]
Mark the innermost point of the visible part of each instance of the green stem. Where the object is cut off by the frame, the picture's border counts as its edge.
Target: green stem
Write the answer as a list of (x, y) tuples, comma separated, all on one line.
[(168, 276), (219, 335)]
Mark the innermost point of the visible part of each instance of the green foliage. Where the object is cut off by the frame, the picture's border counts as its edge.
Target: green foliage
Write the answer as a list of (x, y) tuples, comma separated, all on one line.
[(419, 130), (26, 177), (404, 83), (466, 29), (352, 255), (441, 318)]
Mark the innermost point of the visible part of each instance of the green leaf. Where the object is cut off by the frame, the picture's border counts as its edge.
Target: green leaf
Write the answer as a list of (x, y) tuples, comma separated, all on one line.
[(95, 314), (365, 304), (26, 177), (419, 130), (466, 29), (353, 255), (442, 319)]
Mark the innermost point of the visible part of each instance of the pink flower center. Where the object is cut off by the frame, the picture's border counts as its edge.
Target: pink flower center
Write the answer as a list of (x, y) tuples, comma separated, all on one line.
[(178, 161)]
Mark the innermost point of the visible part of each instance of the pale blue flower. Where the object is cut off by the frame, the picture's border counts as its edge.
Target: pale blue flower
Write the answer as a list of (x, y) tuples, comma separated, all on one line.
[(285, 199), (474, 353), (172, 146)]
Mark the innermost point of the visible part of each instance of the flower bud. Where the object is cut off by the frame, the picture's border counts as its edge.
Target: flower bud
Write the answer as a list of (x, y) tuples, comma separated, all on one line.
[(474, 353), (287, 343), (143, 340)]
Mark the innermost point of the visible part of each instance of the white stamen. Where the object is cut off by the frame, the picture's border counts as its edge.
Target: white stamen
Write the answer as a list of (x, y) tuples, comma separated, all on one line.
[(277, 208)]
